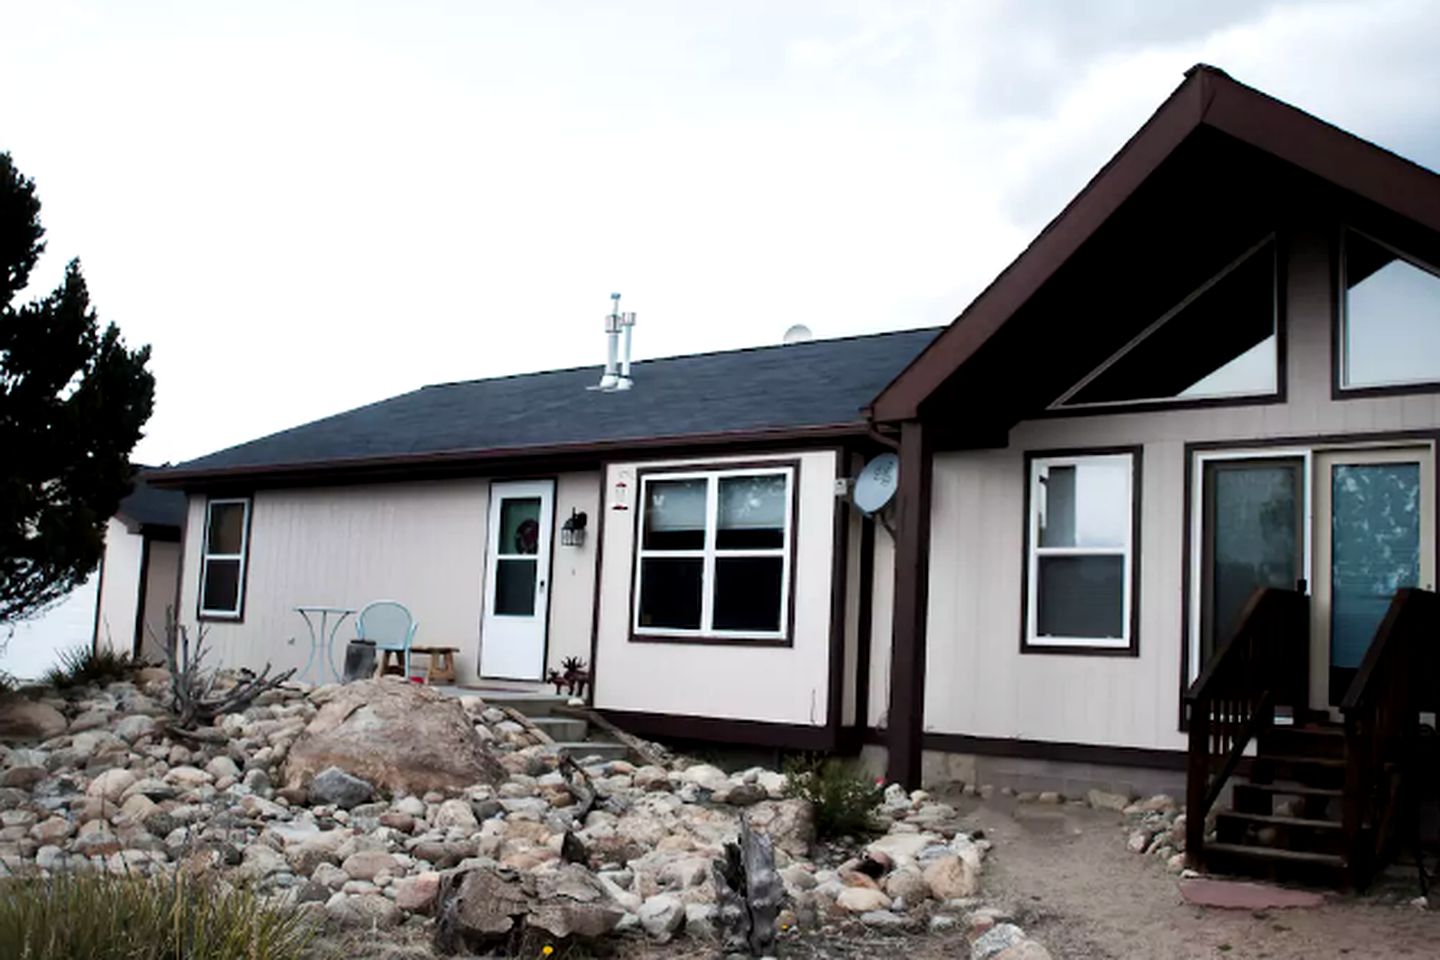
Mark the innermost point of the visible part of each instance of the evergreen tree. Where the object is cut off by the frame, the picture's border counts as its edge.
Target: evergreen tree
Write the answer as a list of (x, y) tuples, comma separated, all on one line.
[(73, 400)]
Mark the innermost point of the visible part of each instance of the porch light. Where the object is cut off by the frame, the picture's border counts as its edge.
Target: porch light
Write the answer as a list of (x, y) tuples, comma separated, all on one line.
[(572, 531)]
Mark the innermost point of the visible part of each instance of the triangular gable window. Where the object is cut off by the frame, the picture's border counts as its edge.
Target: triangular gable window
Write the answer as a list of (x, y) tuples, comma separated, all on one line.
[(1391, 317), (1220, 341)]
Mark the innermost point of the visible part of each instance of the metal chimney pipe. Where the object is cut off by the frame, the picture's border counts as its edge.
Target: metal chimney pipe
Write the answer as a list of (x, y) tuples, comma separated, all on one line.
[(612, 338), (627, 321)]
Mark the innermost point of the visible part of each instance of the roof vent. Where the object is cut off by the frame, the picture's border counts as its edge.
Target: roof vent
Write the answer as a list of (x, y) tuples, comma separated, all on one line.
[(615, 321), (799, 333)]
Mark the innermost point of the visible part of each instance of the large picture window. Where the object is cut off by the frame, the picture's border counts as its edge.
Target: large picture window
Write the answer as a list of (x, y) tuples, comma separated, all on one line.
[(1080, 545), (1390, 324), (222, 567), (713, 559)]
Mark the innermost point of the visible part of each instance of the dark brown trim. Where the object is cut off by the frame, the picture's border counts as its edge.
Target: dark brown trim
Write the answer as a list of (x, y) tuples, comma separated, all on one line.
[(1314, 443), (864, 627), (603, 509), (1137, 498), (793, 464), (539, 458), (1338, 391), (136, 639), (911, 606), (549, 576), (670, 726), (1207, 97), (239, 617), (1055, 751), (163, 533), (839, 598)]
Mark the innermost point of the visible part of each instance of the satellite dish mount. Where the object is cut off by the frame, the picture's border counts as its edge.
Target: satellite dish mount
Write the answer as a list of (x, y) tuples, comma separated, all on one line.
[(875, 488)]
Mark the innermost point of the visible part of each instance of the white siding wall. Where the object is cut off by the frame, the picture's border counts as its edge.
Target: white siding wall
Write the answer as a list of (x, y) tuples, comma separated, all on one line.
[(119, 587), (162, 579), (977, 681), (773, 684), (419, 543)]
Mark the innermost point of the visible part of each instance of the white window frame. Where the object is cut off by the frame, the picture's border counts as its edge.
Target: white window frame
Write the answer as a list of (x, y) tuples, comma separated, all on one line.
[(1342, 348), (709, 553), (1034, 552), (206, 557)]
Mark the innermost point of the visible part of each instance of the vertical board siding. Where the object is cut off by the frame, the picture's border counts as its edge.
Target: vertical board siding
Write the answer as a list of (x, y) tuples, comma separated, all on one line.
[(772, 684), (422, 544)]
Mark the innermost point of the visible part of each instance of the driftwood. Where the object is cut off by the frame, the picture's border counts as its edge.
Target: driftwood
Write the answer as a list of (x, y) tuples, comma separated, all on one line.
[(196, 696), (748, 894), (640, 751)]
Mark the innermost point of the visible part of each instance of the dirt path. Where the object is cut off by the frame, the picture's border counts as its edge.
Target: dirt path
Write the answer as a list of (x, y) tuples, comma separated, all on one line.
[(1073, 886)]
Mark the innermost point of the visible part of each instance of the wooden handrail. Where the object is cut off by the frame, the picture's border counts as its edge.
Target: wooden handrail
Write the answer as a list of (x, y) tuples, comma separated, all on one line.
[(1381, 709), (1262, 665)]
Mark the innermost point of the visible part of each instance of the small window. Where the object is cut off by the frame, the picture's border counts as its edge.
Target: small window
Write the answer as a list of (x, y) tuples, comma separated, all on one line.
[(714, 554), (1219, 342), (1080, 563), (1391, 317), (222, 574)]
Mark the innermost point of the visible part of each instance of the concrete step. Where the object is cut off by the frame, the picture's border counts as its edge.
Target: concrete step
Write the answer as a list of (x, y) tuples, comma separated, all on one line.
[(563, 729), (531, 704), (604, 751)]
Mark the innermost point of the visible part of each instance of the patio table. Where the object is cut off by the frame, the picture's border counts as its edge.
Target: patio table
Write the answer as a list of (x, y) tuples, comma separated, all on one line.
[(322, 641)]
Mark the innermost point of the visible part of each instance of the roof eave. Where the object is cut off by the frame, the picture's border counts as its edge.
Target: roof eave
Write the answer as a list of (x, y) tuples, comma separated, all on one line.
[(457, 460)]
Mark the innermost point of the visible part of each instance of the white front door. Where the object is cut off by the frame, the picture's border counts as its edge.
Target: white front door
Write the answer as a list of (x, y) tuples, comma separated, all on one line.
[(517, 574)]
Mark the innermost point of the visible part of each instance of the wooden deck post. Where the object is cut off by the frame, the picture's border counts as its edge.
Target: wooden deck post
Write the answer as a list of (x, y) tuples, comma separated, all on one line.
[(905, 719)]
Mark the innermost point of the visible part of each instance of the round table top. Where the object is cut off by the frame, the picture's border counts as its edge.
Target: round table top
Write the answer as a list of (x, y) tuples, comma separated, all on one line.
[(319, 609)]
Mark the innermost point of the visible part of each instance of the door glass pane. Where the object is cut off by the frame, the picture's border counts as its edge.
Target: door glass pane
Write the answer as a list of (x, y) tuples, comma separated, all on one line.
[(227, 528), (1080, 596), (1392, 317), (670, 592), (1375, 550), (1253, 522), (752, 512), (675, 514), (1086, 504), (519, 526), (515, 587), (747, 593), (222, 586)]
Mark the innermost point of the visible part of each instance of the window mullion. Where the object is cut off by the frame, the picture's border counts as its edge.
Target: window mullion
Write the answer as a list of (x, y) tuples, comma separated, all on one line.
[(707, 573)]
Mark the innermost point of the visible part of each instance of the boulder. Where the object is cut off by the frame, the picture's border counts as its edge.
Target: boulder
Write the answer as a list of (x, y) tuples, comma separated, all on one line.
[(571, 902), (338, 788), (417, 894), (790, 824), (111, 785), (952, 877), (363, 910), (403, 737), (368, 864), (862, 900), (25, 719), (996, 941), (485, 906), (134, 727), (661, 916), (1104, 800)]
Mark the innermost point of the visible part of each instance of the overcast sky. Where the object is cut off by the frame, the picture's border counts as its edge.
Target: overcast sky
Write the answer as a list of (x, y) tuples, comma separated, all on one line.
[(304, 207)]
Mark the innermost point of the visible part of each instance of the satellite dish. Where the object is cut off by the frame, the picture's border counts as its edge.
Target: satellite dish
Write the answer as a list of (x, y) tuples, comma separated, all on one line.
[(799, 333), (876, 484)]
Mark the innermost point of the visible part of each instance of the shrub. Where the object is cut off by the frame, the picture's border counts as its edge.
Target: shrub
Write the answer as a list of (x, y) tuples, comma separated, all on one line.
[(843, 796), (82, 666), (107, 917)]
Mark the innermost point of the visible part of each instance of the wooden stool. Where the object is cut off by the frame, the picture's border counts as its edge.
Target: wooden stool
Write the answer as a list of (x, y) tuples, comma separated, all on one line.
[(440, 663)]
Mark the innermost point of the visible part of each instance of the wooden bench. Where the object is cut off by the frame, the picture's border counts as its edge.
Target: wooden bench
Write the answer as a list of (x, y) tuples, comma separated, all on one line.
[(439, 666)]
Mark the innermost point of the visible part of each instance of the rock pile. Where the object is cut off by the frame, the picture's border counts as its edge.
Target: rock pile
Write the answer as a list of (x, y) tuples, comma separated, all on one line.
[(327, 798)]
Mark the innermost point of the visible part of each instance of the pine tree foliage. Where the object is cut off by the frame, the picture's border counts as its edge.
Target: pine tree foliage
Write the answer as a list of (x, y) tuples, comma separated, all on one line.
[(73, 400)]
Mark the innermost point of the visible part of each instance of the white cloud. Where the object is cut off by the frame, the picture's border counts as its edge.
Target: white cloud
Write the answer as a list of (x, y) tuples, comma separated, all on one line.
[(305, 208)]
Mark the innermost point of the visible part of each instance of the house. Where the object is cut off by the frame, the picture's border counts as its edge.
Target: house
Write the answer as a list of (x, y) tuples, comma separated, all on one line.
[(139, 572), (1166, 498), (713, 594), (1217, 371)]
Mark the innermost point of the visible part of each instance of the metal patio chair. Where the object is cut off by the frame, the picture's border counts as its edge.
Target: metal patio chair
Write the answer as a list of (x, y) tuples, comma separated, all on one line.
[(389, 625)]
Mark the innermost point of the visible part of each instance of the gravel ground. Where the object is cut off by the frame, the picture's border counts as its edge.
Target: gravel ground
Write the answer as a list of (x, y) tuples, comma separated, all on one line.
[(1065, 873)]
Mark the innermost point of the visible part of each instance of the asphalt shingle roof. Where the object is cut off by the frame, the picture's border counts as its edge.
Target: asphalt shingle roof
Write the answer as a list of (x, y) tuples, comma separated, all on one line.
[(152, 507), (813, 384)]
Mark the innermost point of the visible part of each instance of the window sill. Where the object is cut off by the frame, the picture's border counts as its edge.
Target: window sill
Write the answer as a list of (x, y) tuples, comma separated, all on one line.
[(710, 639), (1130, 649), (205, 616)]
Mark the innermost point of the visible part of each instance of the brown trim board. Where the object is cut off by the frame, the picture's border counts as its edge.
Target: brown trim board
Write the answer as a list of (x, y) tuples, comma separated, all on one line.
[(839, 598), (603, 508), (142, 593), (911, 613), (754, 733)]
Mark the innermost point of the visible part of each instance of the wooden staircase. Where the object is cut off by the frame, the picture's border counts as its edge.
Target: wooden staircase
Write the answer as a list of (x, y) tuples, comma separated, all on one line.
[(1286, 818), (1318, 801)]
